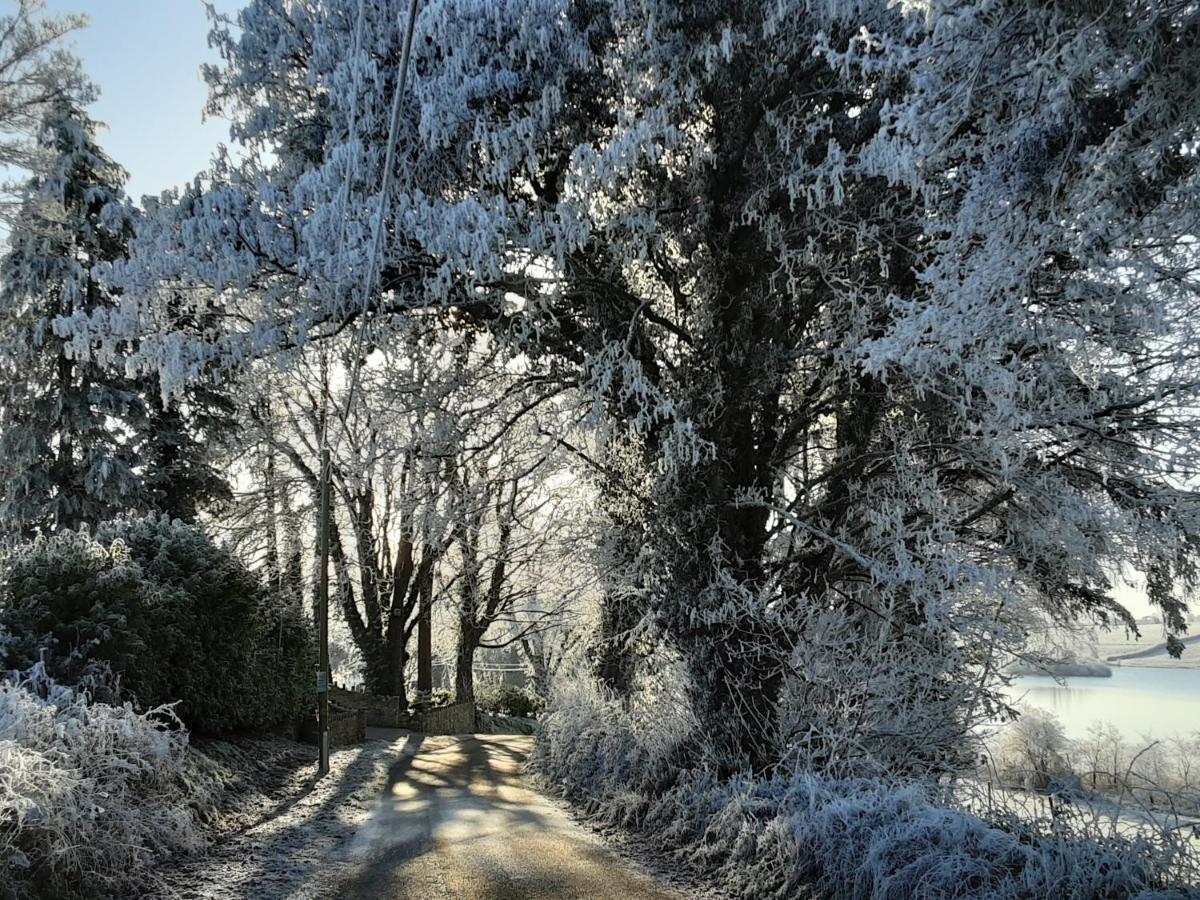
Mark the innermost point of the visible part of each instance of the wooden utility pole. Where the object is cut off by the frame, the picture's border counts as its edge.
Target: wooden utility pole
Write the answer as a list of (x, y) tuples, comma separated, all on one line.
[(368, 285), (323, 675)]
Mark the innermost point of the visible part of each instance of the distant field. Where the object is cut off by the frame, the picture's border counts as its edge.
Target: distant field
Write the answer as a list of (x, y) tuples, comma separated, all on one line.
[(1110, 644)]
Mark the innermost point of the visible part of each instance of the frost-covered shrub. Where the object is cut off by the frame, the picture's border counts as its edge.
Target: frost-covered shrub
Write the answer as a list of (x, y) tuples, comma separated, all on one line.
[(175, 616), (800, 833), (76, 600), (507, 700), (89, 793), (242, 656)]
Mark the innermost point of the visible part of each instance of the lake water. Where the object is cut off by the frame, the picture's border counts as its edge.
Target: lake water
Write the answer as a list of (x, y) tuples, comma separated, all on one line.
[(1157, 702)]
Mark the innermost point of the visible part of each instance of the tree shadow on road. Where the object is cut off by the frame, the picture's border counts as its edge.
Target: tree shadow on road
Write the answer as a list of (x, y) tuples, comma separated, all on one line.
[(276, 864)]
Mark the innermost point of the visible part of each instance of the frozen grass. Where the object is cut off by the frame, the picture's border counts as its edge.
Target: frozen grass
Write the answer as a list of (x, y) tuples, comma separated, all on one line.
[(294, 846), (99, 801), (808, 835), (89, 793)]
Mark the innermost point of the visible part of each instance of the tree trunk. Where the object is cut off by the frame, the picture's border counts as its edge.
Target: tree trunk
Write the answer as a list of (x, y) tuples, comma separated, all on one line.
[(719, 619), (737, 688), (464, 667), (270, 500), (614, 661), (384, 666), (540, 669), (425, 646)]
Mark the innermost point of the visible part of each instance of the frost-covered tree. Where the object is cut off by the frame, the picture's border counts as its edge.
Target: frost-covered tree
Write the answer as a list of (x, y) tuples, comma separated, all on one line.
[(84, 439), (390, 522), (896, 300), (180, 435), (1034, 751), (511, 566), (67, 449), (35, 73), (176, 453), (268, 516)]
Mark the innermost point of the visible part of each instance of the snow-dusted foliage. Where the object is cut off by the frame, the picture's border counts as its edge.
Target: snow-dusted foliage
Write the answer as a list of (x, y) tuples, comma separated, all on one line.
[(67, 453), (1053, 323), (38, 71), (89, 793), (896, 303), (800, 833), (84, 438)]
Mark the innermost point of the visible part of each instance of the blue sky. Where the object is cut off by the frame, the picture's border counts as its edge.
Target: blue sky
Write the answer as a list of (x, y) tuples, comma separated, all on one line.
[(145, 55)]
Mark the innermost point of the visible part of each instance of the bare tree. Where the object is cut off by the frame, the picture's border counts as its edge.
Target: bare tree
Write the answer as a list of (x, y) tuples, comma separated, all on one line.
[(513, 524)]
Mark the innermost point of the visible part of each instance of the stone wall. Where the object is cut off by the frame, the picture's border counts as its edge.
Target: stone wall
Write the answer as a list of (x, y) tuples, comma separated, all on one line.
[(385, 712), (346, 726), (380, 711), (457, 718)]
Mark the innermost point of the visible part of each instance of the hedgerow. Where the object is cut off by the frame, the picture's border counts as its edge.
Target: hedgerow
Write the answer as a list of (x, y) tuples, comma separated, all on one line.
[(507, 700), (799, 833), (175, 616), (89, 792)]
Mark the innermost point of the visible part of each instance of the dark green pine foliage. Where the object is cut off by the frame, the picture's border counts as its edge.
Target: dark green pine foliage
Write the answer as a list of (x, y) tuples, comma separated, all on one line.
[(67, 445), (178, 433)]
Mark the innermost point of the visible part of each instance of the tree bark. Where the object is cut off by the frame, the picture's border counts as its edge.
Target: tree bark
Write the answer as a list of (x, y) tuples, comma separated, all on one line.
[(425, 644), (464, 666)]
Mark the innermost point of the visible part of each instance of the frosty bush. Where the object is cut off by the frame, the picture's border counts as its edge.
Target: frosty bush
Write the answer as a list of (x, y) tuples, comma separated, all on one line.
[(79, 601), (89, 793), (634, 764), (175, 616), (507, 700)]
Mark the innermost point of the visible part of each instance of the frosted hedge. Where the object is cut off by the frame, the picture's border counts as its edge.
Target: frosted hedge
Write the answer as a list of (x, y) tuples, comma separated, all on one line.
[(89, 793), (798, 833)]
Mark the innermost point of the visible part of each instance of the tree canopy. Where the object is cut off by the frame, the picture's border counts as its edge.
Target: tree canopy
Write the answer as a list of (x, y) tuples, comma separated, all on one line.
[(884, 313)]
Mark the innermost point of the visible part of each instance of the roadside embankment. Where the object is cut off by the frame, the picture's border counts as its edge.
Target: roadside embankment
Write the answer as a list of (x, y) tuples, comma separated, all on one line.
[(277, 831)]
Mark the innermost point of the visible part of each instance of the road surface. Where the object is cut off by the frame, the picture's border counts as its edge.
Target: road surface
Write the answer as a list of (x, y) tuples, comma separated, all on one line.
[(459, 821)]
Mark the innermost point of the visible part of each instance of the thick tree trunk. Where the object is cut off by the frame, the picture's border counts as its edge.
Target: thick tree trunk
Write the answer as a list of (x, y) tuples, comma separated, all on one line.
[(464, 667), (720, 617), (425, 648), (614, 661), (718, 585), (384, 667), (737, 675)]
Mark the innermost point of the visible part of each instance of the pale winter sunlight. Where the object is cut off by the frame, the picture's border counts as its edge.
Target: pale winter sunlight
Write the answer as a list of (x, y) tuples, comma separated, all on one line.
[(600, 449)]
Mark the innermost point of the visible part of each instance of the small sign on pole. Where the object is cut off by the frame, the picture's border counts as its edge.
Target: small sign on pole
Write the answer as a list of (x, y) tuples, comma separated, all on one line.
[(322, 681)]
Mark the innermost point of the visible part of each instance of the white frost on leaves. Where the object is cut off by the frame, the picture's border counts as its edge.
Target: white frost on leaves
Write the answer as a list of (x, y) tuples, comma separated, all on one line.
[(89, 791), (974, 237), (798, 832)]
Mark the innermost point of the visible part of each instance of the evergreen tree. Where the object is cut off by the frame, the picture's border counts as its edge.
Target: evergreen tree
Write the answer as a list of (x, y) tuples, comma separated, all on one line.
[(83, 440), (177, 434), (35, 72), (66, 448), (178, 476)]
